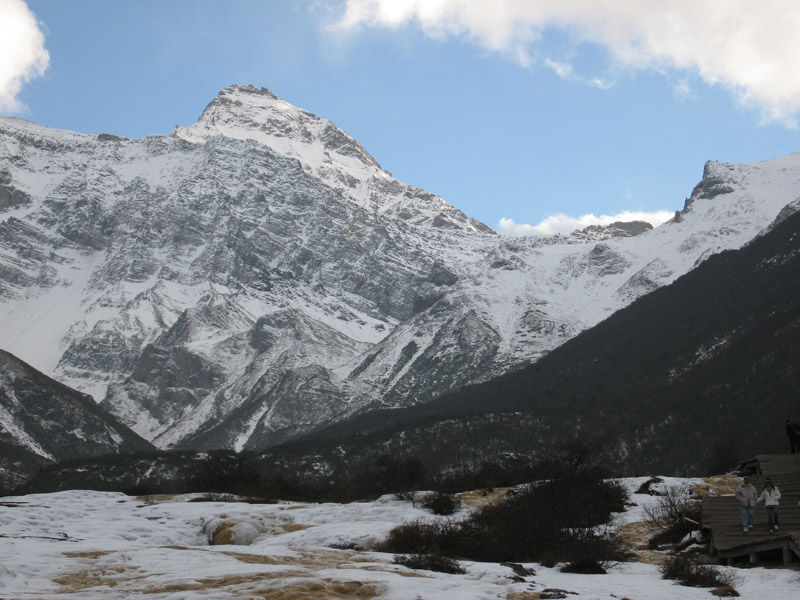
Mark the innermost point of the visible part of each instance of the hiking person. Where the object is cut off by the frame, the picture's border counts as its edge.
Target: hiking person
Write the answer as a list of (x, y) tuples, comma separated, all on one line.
[(793, 432), (747, 495), (771, 495)]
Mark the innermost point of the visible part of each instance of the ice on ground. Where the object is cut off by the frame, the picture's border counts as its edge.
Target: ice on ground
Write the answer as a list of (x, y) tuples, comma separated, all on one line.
[(98, 545)]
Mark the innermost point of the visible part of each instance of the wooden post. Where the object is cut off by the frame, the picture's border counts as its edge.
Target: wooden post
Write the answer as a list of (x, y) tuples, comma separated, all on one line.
[(787, 554), (753, 557)]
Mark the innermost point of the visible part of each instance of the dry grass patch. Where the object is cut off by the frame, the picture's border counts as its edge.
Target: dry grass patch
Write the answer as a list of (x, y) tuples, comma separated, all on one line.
[(94, 554), (283, 577), (718, 485), (312, 560), (83, 580), (86, 579), (637, 537), (223, 534), (208, 583), (324, 589), (395, 571), (337, 557), (243, 584), (481, 498), (248, 585), (260, 559), (292, 527)]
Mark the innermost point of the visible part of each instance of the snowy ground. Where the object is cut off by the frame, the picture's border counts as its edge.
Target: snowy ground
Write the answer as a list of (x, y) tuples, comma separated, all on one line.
[(88, 545)]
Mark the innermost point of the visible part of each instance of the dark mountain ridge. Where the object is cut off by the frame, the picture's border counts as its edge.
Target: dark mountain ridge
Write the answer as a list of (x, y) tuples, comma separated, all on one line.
[(43, 421), (697, 375)]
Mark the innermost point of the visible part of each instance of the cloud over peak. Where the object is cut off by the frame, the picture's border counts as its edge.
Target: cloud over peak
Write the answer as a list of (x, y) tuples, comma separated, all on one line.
[(750, 48), (22, 52)]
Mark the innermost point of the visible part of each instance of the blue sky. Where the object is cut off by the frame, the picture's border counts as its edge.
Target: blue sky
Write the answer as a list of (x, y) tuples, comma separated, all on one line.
[(511, 110)]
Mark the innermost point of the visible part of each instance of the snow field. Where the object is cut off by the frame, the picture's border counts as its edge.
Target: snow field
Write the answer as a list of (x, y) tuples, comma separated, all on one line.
[(96, 545)]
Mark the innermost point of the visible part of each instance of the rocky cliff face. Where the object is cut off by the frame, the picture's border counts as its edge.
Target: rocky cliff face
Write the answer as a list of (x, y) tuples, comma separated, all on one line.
[(258, 274), (42, 421)]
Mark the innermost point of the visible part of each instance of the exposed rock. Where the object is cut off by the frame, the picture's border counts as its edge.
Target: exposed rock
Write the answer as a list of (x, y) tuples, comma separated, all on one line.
[(715, 182), (725, 591), (617, 229)]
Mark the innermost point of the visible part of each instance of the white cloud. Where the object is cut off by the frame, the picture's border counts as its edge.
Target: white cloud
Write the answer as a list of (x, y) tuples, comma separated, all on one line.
[(683, 90), (22, 52), (748, 47), (562, 223)]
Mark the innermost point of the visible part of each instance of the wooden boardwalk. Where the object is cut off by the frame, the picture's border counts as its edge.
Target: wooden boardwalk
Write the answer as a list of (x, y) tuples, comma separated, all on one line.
[(722, 516)]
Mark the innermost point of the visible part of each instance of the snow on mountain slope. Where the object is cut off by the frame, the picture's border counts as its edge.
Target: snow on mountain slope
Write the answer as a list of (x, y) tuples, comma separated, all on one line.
[(42, 420), (323, 150), (257, 274)]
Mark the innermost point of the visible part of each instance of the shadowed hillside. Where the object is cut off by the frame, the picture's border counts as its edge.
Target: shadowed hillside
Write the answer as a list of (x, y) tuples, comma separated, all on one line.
[(43, 421), (695, 376)]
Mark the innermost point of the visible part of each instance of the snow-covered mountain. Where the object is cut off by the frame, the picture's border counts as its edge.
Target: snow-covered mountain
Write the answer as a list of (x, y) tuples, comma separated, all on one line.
[(43, 421), (258, 274)]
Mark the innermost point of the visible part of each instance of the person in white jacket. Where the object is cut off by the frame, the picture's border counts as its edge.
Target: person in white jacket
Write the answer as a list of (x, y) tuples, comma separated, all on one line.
[(771, 495)]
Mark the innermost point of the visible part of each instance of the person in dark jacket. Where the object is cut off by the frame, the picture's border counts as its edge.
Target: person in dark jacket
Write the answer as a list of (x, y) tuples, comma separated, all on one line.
[(793, 433)]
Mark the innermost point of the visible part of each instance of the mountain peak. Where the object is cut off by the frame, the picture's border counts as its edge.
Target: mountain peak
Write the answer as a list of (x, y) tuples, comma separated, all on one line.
[(245, 112)]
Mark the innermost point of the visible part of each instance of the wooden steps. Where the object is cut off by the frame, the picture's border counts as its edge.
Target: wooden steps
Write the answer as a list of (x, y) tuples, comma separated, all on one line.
[(722, 515)]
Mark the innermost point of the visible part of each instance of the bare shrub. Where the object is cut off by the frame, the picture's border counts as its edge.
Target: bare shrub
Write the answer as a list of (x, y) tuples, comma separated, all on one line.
[(691, 573), (222, 497), (553, 521), (442, 504), (419, 537), (343, 544), (674, 515), (646, 487), (594, 551), (216, 497), (430, 562)]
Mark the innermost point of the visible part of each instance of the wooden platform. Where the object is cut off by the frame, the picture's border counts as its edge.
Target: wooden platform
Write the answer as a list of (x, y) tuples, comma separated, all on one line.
[(722, 516)]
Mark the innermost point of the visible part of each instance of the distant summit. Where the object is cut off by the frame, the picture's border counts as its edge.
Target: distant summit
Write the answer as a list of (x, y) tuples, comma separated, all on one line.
[(616, 229), (247, 113), (323, 150)]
